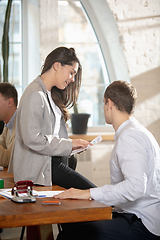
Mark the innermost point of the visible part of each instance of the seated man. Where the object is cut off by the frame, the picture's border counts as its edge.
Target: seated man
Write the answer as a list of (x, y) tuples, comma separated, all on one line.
[(8, 107), (135, 177)]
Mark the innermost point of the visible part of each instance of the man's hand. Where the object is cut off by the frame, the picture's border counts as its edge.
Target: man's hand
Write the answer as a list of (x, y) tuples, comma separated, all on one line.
[(73, 193)]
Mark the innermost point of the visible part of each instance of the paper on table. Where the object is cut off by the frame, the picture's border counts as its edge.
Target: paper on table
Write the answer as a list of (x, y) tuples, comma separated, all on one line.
[(47, 193), (94, 141), (7, 193)]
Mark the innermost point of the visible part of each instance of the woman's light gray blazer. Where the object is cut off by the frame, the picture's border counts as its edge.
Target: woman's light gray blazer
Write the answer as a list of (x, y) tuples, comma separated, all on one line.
[(35, 143)]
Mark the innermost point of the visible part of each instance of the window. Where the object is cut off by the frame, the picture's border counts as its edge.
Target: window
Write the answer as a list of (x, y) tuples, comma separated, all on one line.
[(15, 43), (75, 30)]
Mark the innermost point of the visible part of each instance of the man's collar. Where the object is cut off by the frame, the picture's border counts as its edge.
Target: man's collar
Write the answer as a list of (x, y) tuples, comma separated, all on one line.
[(10, 124)]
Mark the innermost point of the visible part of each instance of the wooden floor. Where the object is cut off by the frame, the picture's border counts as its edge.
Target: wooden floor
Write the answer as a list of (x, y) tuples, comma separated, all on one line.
[(15, 233), (11, 233)]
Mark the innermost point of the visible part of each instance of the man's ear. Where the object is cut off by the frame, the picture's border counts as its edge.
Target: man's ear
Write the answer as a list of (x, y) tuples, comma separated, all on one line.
[(110, 103), (10, 102)]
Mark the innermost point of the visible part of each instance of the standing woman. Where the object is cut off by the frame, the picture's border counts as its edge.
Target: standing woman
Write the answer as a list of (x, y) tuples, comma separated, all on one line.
[(41, 146)]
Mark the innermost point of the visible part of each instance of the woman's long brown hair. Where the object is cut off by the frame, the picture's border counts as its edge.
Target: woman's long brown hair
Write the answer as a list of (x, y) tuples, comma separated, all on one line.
[(64, 98)]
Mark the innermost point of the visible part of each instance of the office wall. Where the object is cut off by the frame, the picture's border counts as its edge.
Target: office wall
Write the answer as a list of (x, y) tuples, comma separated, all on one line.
[(139, 33)]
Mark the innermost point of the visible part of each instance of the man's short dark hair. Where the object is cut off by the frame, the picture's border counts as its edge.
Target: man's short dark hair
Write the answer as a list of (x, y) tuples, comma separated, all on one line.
[(8, 90), (123, 95)]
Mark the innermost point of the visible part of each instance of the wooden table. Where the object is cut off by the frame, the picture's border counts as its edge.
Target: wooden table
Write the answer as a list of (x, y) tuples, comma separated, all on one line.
[(33, 214)]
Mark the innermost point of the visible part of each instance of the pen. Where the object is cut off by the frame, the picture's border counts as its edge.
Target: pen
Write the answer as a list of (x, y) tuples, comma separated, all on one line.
[(42, 195), (51, 203), (1, 196)]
